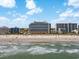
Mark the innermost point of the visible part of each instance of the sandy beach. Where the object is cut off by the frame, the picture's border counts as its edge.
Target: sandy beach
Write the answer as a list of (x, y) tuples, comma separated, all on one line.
[(38, 38)]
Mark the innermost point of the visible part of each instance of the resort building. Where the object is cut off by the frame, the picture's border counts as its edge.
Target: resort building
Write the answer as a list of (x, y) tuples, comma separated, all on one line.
[(66, 27), (39, 28), (14, 30)]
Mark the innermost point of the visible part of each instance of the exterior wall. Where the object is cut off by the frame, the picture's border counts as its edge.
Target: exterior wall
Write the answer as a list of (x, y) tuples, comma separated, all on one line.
[(14, 30), (53, 31), (72, 26), (4, 30), (23, 31), (39, 28), (66, 27), (62, 27), (78, 29)]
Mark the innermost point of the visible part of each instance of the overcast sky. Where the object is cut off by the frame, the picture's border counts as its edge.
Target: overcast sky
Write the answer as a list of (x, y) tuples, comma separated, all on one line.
[(22, 12)]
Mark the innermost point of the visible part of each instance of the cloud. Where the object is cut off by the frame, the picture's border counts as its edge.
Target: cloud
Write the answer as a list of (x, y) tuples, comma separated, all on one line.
[(64, 20), (33, 9), (19, 21), (70, 15), (74, 3), (71, 12), (30, 4), (57, 11), (67, 17), (66, 13), (76, 14), (7, 3), (2, 18), (20, 18), (4, 21)]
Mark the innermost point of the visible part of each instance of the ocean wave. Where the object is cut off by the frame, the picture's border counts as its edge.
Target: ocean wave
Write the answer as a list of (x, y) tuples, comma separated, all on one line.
[(52, 45), (65, 44), (37, 50), (34, 50), (40, 50), (72, 51)]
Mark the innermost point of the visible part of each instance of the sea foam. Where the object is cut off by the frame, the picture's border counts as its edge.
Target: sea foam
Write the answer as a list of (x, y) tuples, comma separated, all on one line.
[(6, 50)]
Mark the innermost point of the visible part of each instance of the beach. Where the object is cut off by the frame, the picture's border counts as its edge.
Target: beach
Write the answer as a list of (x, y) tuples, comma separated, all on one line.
[(39, 46), (38, 38)]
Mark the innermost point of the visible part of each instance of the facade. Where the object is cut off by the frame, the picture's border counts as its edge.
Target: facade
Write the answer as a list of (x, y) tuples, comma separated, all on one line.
[(53, 31), (78, 29), (39, 28), (4, 30), (23, 31), (14, 30), (66, 27)]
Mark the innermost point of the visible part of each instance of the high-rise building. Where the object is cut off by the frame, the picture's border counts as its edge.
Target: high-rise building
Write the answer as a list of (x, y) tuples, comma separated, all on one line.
[(66, 27), (39, 28)]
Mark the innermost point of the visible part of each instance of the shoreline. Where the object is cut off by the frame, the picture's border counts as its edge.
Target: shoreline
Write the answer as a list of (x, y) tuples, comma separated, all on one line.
[(39, 39)]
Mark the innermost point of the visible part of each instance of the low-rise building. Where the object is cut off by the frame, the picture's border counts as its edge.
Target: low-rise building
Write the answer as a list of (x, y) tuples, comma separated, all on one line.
[(4, 30), (14, 30), (23, 31), (53, 31), (39, 28)]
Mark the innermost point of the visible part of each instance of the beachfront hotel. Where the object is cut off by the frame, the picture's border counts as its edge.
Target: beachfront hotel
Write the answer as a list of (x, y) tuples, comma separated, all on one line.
[(66, 27), (39, 28)]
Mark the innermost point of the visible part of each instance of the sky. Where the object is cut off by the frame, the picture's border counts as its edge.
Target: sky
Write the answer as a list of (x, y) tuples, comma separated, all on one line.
[(20, 13)]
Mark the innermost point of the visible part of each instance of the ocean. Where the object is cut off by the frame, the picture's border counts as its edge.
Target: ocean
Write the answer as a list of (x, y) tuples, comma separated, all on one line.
[(39, 51)]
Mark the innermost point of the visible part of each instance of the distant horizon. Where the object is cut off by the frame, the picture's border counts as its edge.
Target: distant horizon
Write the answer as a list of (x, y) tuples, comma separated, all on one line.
[(20, 13)]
